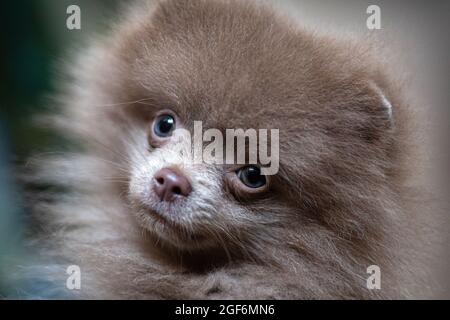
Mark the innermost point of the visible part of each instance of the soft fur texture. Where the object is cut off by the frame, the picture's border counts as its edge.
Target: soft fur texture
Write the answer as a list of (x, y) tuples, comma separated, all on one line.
[(338, 204)]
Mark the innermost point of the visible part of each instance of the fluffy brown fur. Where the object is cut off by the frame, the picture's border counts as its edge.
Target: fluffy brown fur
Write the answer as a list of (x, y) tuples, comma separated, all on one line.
[(338, 204)]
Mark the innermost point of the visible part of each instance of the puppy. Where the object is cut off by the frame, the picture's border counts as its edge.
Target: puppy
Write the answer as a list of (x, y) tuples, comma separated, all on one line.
[(142, 220)]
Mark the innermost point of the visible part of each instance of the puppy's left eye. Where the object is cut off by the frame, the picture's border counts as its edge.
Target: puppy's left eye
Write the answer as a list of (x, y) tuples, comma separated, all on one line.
[(251, 176), (164, 125)]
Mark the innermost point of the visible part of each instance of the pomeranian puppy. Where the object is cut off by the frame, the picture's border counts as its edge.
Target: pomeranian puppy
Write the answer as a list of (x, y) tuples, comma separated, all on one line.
[(142, 220)]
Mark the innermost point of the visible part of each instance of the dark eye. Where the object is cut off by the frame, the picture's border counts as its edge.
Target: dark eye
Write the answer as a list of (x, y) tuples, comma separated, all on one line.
[(251, 177), (164, 125)]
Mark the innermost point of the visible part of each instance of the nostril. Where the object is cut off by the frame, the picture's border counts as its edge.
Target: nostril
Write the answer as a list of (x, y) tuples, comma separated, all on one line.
[(176, 190), (160, 180)]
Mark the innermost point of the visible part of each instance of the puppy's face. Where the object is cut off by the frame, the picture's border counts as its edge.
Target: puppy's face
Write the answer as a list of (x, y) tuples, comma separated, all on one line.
[(187, 204), (237, 67)]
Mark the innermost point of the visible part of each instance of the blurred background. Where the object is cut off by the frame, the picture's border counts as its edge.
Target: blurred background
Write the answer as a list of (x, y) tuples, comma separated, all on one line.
[(34, 42)]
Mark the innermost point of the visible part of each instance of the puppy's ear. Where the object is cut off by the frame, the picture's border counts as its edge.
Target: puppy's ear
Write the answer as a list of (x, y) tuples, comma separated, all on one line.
[(373, 113), (384, 101)]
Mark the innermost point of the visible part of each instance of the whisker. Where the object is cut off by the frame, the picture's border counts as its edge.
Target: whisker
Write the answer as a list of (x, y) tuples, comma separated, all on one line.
[(119, 103)]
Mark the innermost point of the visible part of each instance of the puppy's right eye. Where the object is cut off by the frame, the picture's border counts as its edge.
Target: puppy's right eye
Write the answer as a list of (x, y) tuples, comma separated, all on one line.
[(247, 182), (164, 125), (251, 176)]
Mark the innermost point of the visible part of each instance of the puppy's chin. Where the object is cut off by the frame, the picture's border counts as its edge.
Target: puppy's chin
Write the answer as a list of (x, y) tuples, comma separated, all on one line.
[(172, 233)]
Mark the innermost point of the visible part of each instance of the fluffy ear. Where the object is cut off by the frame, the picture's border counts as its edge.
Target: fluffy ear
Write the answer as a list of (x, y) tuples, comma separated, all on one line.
[(372, 113), (385, 103)]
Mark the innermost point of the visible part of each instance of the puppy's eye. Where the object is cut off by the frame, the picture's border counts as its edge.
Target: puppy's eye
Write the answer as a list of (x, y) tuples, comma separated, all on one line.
[(251, 177), (164, 125)]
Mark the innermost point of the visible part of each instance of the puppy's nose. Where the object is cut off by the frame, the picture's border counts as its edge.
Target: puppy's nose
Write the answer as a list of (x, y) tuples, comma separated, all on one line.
[(170, 184)]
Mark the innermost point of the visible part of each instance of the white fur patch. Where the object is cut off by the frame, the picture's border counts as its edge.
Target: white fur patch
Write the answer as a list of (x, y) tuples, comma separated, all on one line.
[(386, 103)]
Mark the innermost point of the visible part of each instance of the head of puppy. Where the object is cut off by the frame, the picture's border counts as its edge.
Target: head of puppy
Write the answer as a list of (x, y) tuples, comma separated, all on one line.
[(234, 65)]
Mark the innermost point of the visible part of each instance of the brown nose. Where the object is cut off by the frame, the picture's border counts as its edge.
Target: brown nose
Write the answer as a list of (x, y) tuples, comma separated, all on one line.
[(170, 184)]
